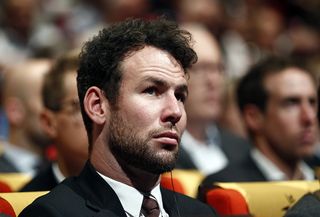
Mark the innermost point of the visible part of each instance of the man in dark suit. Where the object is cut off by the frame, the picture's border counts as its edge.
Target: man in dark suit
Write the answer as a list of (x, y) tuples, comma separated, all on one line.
[(309, 204), (61, 108), (205, 145), (132, 84), (278, 101)]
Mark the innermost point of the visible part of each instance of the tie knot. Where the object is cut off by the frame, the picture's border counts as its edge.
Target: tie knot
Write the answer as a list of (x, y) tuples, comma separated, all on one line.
[(150, 207)]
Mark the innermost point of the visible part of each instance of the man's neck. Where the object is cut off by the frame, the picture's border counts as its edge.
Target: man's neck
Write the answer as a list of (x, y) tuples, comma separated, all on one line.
[(288, 167), (122, 172)]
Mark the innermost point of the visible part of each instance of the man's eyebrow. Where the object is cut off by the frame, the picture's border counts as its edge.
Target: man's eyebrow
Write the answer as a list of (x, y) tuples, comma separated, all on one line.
[(162, 82), (183, 88), (157, 81)]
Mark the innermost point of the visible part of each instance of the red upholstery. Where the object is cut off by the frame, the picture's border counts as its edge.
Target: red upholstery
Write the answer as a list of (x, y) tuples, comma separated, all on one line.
[(167, 184), (4, 187), (6, 209), (227, 202)]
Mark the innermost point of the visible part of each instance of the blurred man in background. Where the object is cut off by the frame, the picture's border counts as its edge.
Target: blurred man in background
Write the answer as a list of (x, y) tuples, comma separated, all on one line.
[(204, 145), (278, 101), (25, 149), (62, 122)]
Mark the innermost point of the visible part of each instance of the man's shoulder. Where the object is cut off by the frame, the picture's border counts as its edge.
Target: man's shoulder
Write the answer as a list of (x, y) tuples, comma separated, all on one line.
[(242, 171), (43, 181), (307, 206), (60, 199)]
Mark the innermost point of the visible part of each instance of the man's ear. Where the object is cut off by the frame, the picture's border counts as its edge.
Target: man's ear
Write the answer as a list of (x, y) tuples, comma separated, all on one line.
[(96, 105), (49, 123), (253, 118), (15, 111)]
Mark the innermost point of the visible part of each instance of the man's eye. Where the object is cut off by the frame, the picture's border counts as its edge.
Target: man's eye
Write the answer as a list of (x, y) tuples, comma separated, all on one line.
[(291, 102), (150, 90), (181, 97)]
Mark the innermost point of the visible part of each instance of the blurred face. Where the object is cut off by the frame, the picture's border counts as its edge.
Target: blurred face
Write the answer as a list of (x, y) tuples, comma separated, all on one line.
[(32, 98), (70, 137), (290, 125), (20, 14), (147, 122), (206, 81)]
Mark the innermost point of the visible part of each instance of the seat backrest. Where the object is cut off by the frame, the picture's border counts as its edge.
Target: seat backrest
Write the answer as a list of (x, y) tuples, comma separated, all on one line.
[(6, 209), (19, 200), (15, 180), (172, 184), (227, 202), (190, 180), (271, 199), (4, 187)]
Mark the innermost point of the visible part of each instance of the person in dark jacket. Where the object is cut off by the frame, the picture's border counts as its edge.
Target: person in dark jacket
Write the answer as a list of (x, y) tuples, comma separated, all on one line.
[(278, 101), (62, 122), (132, 85)]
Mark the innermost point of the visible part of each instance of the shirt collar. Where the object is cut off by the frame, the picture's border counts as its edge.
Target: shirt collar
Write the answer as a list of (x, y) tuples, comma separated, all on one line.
[(130, 198), (27, 160), (208, 158), (272, 172), (57, 172)]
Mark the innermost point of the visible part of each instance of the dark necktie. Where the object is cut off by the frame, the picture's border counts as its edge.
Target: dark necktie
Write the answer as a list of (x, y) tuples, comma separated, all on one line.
[(150, 207)]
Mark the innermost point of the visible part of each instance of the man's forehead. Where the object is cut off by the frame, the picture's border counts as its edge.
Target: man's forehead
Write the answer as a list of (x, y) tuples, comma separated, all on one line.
[(149, 54), (289, 79), (151, 60)]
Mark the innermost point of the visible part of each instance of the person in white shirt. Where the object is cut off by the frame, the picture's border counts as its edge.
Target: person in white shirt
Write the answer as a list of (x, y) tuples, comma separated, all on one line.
[(278, 101), (205, 145)]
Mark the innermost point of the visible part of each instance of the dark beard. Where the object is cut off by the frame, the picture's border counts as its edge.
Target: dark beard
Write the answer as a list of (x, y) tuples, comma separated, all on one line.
[(129, 148)]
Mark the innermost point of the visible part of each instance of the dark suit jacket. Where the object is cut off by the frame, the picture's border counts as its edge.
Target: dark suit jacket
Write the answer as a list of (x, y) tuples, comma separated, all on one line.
[(243, 171), (307, 206), (89, 195), (6, 166), (43, 181), (233, 146)]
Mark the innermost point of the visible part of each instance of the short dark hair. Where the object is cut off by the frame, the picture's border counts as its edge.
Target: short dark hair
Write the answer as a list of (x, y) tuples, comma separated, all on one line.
[(101, 57), (251, 89), (53, 89)]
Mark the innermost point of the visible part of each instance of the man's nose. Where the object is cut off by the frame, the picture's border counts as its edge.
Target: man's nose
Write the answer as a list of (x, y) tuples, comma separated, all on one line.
[(172, 111), (308, 114)]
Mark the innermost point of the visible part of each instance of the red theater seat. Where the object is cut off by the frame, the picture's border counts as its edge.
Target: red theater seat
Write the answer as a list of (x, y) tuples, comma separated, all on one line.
[(174, 185), (227, 202), (6, 209), (4, 187)]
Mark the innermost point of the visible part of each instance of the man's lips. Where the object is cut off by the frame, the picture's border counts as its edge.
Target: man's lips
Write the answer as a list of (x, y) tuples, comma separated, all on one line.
[(168, 138)]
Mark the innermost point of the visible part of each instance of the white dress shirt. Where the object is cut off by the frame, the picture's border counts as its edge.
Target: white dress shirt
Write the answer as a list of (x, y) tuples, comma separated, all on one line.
[(273, 173), (208, 157), (131, 199), (24, 161)]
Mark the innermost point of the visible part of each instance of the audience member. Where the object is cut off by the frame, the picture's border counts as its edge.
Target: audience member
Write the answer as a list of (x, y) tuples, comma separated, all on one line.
[(309, 204), (23, 36), (278, 101), (24, 150), (61, 120), (132, 85), (204, 145)]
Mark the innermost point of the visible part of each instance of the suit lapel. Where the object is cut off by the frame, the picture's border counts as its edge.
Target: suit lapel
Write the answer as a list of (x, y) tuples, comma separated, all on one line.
[(169, 203), (98, 194)]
